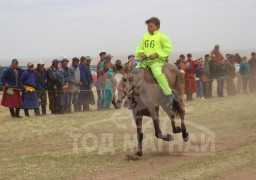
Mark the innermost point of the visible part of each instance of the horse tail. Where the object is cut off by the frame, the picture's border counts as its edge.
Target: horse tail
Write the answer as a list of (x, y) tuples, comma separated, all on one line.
[(177, 106)]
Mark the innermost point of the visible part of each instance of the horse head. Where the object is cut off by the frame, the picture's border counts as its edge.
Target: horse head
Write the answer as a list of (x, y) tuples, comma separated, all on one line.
[(124, 84), (119, 90)]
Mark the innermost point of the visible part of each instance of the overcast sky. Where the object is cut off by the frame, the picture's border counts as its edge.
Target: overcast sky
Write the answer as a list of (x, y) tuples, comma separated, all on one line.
[(50, 28)]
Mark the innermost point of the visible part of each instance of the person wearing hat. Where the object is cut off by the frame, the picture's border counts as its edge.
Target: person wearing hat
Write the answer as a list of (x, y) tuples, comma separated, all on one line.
[(100, 84), (85, 97), (118, 66), (41, 76), (218, 59), (245, 73), (190, 83), (216, 55), (52, 83), (61, 89), (74, 81), (102, 58), (107, 73), (180, 63), (29, 86), (153, 51), (130, 64), (207, 84), (11, 95), (63, 95), (89, 94), (230, 75), (252, 79)]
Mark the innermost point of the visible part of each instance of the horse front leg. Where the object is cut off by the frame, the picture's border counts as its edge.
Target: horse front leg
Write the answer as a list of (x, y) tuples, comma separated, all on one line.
[(138, 122)]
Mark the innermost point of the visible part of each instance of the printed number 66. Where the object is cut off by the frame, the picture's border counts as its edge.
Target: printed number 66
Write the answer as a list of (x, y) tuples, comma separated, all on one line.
[(150, 44)]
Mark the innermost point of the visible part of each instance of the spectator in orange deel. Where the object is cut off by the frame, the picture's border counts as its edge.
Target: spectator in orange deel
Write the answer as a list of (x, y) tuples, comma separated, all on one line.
[(190, 83)]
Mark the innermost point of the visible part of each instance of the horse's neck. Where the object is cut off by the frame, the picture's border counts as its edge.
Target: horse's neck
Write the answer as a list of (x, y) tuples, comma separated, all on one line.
[(149, 78)]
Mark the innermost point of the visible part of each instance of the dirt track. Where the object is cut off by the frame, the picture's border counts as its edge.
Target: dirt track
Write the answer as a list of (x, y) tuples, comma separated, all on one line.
[(32, 147)]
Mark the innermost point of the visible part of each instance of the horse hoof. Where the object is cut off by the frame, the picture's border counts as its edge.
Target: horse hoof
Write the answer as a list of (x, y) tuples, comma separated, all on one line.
[(176, 130), (138, 153), (132, 157), (168, 138), (186, 137)]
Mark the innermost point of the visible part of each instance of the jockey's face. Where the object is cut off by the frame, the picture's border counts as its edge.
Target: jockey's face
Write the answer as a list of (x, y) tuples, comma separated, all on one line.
[(152, 28)]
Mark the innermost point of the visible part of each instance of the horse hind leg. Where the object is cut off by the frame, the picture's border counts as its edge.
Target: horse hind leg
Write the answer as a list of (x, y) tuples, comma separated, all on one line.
[(158, 133), (138, 121), (185, 134), (178, 108), (170, 113)]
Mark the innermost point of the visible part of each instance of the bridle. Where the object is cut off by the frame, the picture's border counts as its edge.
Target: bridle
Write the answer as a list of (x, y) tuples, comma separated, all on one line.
[(138, 82)]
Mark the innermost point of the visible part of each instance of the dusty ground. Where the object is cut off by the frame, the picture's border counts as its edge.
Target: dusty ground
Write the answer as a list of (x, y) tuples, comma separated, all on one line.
[(94, 145)]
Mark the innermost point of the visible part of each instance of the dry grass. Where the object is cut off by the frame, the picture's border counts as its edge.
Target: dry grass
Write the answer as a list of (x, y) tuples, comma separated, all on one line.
[(43, 147)]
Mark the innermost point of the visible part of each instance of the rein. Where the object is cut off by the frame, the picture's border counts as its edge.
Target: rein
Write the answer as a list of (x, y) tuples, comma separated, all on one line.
[(138, 82), (119, 89)]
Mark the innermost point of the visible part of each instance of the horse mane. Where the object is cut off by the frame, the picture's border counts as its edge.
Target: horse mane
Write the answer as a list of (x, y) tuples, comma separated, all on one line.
[(145, 74)]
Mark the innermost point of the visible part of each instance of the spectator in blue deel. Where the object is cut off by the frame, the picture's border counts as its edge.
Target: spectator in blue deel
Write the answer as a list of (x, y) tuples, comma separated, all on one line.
[(11, 95), (29, 86)]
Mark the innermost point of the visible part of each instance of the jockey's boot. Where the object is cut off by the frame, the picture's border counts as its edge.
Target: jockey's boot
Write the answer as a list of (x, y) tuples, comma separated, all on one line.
[(43, 110), (169, 100)]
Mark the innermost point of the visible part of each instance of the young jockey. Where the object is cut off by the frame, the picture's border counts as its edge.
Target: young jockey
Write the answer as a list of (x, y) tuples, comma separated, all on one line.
[(153, 50)]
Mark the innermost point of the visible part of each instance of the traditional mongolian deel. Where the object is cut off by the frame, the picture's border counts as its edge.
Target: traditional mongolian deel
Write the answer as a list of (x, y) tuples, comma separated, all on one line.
[(29, 85), (12, 77)]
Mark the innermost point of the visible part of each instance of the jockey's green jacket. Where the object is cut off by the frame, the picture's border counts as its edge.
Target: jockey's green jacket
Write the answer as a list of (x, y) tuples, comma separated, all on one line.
[(160, 44)]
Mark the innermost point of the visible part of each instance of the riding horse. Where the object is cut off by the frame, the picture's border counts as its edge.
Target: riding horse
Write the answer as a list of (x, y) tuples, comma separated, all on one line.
[(144, 96)]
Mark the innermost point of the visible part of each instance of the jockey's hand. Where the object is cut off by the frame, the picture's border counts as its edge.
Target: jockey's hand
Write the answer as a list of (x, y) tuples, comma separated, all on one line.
[(143, 56), (153, 56)]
